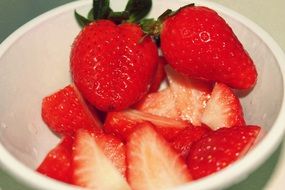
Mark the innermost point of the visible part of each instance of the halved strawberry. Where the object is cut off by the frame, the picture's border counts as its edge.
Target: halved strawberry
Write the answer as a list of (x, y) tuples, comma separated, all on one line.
[(123, 123), (152, 163), (160, 103), (185, 138), (65, 112), (114, 150), (159, 75), (57, 163), (223, 109), (190, 96), (92, 168), (220, 148)]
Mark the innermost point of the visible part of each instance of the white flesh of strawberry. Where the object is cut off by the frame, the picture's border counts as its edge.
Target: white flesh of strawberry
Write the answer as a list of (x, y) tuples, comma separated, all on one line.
[(190, 95), (153, 165), (223, 108), (156, 120), (92, 169), (160, 103)]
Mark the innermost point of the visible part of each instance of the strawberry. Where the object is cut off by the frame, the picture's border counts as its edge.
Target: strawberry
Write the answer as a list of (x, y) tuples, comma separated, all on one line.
[(57, 163), (190, 96), (123, 123), (92, 168), (152, 163), (197, 42), (220, 148), (160, 103), (114, 150), (65, 112), (183, 141), (113, 70), (159, 75), (223, 109)]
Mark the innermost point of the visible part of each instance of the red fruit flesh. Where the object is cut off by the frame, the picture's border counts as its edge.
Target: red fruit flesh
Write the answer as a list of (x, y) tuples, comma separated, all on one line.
[(65, 112), (185, 138), (92, 169), (198, 42), (110, 66), (160, 103), (190, 96), (159, 75), (57, 163), (152, 163), (123, 123), (223, 109), (220, 148)]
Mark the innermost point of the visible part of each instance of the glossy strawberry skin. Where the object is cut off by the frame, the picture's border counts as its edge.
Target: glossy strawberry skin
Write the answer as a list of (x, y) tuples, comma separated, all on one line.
[(220, 148), (57, 163), (65, 112), (159, 75), (196, 41), (183, 141), (110, 66)]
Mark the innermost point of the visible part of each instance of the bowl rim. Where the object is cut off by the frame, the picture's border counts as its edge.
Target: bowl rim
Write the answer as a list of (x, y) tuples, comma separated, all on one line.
[(235, 172)]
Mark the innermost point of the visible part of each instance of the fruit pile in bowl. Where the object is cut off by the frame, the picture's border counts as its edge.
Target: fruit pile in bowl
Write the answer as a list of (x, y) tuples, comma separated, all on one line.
[(139, 103)]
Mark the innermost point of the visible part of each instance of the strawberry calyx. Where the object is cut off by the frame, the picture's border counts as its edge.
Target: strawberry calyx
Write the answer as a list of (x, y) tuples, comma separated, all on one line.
[(134, 11), (153, 27)]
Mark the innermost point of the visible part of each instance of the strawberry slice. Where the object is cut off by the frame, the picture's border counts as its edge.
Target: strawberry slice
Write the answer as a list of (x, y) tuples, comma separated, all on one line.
[(220, 148), (185, 138), (152, 163), (57, 162), (65, 112), (123, 123), (160, 103), (159, 75), (223, 109), (92, 168), (114, 150), (190, 95)]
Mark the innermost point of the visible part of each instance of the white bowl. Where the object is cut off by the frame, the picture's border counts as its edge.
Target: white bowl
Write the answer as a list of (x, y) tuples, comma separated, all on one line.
[(34, 62)]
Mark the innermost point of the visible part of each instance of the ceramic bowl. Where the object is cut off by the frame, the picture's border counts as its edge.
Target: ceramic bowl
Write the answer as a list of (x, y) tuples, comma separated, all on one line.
[(34, 62)]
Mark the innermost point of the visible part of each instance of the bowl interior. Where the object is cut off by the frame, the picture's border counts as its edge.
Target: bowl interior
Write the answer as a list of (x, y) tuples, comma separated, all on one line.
[(36, 64)]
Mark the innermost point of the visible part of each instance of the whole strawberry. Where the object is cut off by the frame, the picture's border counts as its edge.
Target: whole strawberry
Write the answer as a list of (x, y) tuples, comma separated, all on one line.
[(197, 42), (113, 64)]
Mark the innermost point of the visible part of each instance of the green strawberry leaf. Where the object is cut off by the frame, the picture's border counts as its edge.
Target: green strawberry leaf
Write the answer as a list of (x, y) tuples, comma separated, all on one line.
[(118, 17), (138, 9), (81, 20), (90, 15), (101, 9)]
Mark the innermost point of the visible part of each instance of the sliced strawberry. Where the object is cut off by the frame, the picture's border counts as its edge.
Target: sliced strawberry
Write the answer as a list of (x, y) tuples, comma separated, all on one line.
[(152, 163), (223, 109), (159, 75), (160, 103), (114, 150), (91, 167), (65, 112), (57, 162), (123, 123), (220, 148), (190, 96), (185, 138)]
